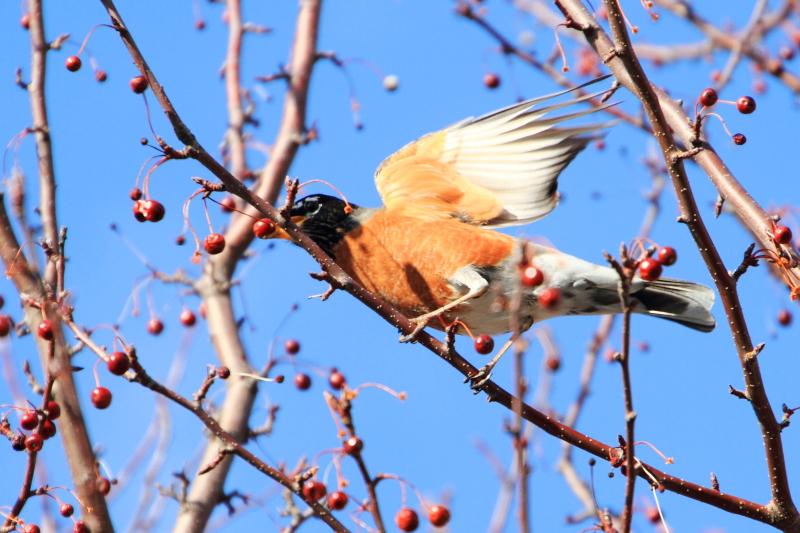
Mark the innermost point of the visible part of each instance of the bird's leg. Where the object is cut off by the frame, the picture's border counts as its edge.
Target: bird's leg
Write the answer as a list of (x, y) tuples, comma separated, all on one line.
[(476, 284), (483, 375)]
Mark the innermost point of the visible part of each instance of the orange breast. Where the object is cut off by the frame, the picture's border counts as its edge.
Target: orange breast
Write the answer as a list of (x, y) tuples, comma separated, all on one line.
[(407, 262)]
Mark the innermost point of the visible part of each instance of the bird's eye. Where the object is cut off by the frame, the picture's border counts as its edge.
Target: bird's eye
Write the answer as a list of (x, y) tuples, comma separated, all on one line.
[(311, 206)]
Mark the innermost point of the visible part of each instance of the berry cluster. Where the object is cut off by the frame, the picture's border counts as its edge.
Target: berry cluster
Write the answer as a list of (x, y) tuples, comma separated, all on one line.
[(650, 268), (745, 105)]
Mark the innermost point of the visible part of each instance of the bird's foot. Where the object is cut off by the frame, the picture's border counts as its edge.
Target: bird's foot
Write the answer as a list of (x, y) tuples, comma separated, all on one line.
[(477, 381), (412, 337)]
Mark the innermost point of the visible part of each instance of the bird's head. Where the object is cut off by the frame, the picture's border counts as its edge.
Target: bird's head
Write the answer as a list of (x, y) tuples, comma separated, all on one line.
[(326, 219)]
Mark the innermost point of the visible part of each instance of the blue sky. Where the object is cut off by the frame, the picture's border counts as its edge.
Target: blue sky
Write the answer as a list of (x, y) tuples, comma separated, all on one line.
[(680, 384)]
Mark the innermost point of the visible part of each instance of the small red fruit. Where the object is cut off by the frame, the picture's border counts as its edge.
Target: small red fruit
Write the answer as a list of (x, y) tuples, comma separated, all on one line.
[(667, 256), (100, 76), (101, 397), (25, 21), (228, 204), (786, 52), (739, 139), (652, 515), (406, 519), (263, 228), (18, 443), (224, 372), (314, 490), (73, 63), (66, 510), (199, 24), (336, 380), (337, 500), (549, 298), (491, 80), (650, 269), (214, 243), (484, 344), (188, 318), (45, 329), (137, 211), (34, 442), (553, 363), (291, 346), (2, 301), (53, 410), (439, 515), (29, 421), (48, 430), (152, 210), (118, 363), (103, 486), (532, 276), (138, 84), (5, 325), (180, 240), (746, 105), (135, 194), (155, 326), (80, 527), (353, 445), (31, 528), (708, 97), (784, 319), (302, 381), (782, 235)]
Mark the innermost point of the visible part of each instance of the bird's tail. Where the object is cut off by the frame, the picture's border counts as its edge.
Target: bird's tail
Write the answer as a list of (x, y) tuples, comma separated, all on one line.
[(681, 301)]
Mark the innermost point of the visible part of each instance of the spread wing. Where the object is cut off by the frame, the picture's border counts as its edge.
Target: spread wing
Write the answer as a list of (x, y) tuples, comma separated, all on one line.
[(500, 169)]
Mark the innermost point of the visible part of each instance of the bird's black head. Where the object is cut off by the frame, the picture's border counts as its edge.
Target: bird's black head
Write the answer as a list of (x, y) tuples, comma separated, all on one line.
[(325, 219)]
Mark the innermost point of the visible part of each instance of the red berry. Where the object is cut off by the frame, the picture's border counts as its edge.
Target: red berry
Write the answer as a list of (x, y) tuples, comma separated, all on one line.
[(103, 486), (138, 84), (73, 63), (101, 397), (549, 297), (353, 445), (188, 318), (336, 380), (214, 243), (152, 210), (739, 139), (34, 442), (484, 344), (406, 519), (784, 319), (652, 515), (492, 81), (48, 430), (199, 24), (302, 381), (30, 528), (66, 510), (759, 85), (228, 204), (118, 363), (25, 21), (2, 301), (782, 235), (263, 228), (155, 326), (18, 443), (45, 329), (708, 97), (100, 76), (337, 500), (532, 276), (135, 194), (314, 490), (279, 378), (786, 52), (180, 240), (439, 515), (746, 105), (80, 527), (650, 269), (137, 211), (224, 372), (291, 346), (667, 256), (29, 421), (5, 325), (553, 363), (53, 410)]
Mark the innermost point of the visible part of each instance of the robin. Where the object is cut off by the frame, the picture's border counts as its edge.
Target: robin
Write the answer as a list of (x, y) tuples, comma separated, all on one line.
[(431, 250)]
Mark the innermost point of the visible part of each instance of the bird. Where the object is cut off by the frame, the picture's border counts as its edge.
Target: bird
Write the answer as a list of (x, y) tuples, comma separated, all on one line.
[(432, 252)]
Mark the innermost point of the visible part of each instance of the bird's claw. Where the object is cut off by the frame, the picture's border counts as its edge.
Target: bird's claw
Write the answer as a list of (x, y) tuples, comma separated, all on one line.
[(477, 381), (412, 337)]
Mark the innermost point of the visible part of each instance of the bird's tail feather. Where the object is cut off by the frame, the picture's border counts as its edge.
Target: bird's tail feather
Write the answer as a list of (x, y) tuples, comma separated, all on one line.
[(680, 301)]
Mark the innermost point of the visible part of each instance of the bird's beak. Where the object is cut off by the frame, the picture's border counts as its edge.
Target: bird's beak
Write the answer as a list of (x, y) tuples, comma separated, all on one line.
[(281, 234)]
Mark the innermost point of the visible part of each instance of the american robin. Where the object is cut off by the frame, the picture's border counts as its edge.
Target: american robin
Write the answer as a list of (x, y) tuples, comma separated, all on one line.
[(431, 250)]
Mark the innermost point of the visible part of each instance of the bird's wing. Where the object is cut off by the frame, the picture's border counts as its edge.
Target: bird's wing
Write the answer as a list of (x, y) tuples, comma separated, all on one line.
[(500, 169)]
